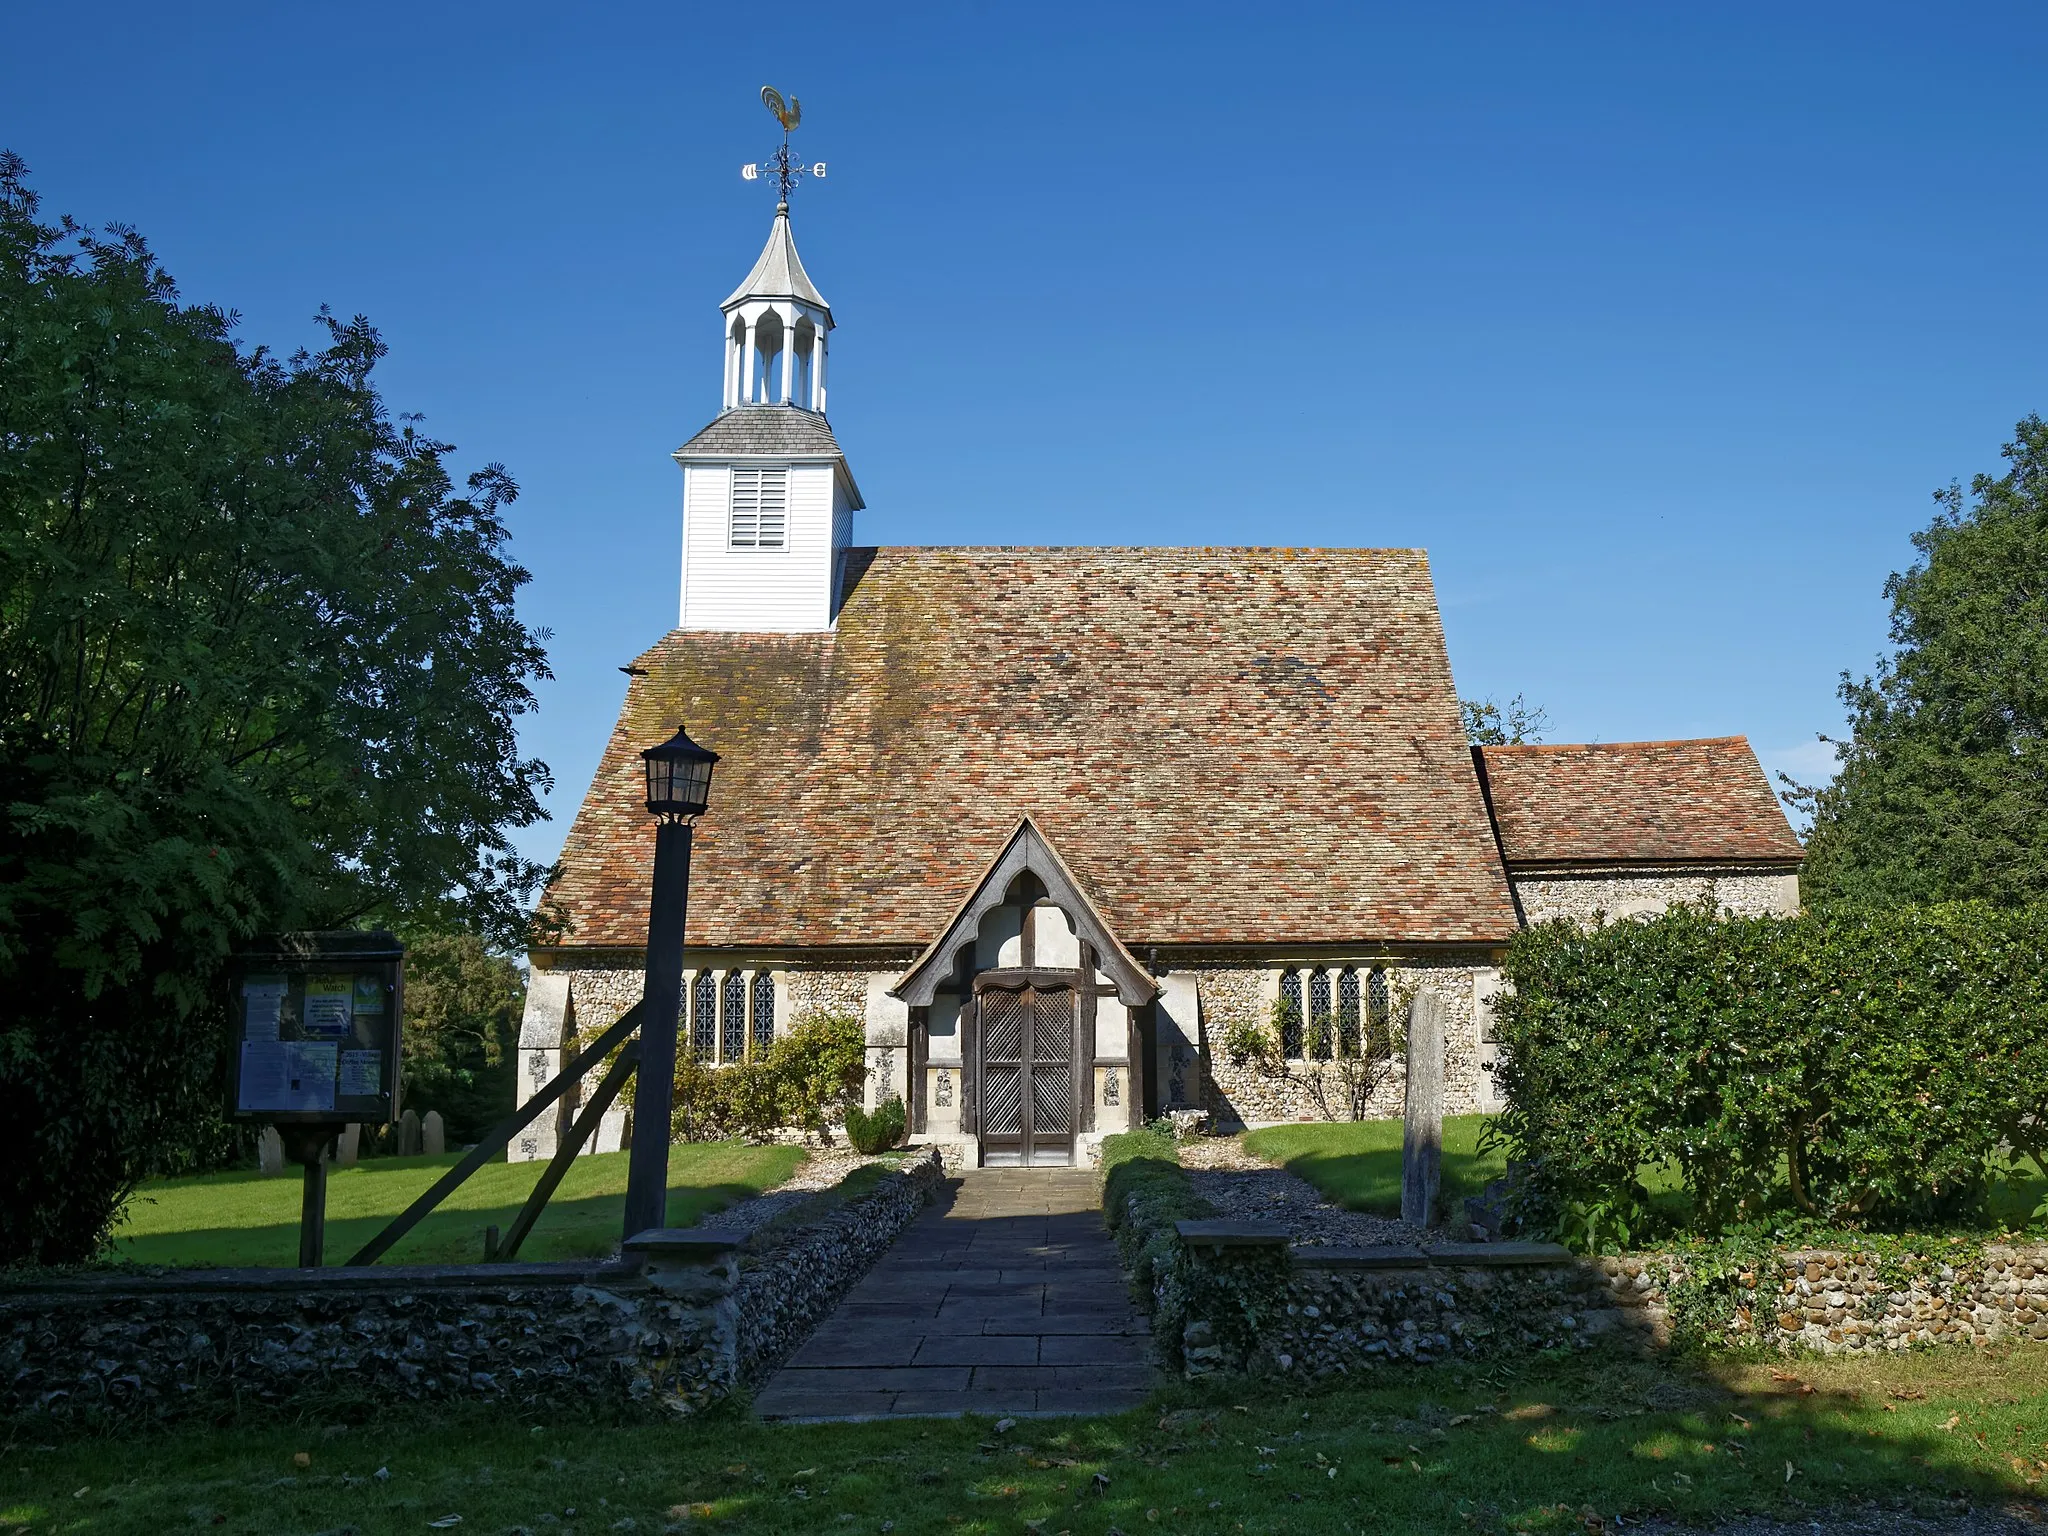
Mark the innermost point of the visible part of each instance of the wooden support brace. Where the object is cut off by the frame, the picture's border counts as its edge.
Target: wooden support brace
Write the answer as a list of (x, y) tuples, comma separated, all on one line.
[(558, 1166), (500, 1137)]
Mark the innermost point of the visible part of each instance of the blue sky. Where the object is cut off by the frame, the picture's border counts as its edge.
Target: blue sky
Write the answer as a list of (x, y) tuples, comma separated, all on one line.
[(1656, 327)]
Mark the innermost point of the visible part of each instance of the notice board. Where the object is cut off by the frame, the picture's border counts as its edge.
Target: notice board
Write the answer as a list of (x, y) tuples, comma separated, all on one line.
[(316, 1021)]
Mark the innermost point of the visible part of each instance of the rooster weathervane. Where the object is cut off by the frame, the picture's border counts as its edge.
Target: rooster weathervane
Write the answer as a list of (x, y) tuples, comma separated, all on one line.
[(785, 171)]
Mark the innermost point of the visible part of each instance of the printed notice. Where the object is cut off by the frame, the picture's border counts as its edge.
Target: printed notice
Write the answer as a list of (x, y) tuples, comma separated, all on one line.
[(328, 1006), (369, 994), (262, 1001), (309, 1075), (362, 1074), (263, 1076)]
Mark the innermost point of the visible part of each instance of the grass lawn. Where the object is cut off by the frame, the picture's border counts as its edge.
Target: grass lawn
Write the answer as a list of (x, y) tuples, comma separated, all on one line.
[(1358, 1165), (1452, 1450), (248, 1218)]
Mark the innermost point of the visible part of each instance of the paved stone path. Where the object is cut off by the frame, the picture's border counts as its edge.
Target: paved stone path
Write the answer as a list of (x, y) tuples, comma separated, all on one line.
[(1004, 1299)]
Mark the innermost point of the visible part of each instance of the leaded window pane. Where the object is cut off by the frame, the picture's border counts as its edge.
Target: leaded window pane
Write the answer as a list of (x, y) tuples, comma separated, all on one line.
[(1290, 1013), (1349, 1041), (735, 1011), (764, 1012), (703, 1017), (1318, 1030)]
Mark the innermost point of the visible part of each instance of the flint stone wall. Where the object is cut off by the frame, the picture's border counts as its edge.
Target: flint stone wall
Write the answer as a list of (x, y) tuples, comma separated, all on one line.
[(1246, 1093), (1584, 895), (1245, 1303), (614, 1337), (1850, 1303)]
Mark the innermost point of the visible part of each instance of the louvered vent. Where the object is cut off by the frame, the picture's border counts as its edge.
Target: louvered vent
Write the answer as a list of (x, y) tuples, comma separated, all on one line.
[(760, 508)]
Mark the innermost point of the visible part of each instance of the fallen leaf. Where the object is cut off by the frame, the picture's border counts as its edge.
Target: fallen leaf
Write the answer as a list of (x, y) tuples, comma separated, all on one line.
[(1951, 1422), (1790, 1471), (444, 1522), (1004, 1426), (1101, 1482), (797, 1477)]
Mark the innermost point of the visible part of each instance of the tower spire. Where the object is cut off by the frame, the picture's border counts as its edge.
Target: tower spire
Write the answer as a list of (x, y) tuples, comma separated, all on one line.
[(776, 320)]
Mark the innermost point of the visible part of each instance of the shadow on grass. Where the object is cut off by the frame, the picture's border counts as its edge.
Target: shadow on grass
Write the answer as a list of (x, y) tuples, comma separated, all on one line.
[(1536, 1444)]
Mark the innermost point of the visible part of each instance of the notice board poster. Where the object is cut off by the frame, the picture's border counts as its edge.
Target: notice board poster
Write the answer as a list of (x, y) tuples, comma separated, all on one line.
[(316, 1020)]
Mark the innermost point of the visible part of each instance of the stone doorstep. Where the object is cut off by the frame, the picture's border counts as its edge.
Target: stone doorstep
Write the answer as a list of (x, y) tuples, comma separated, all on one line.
[(872, 1378), (1092, 1349), (1071, 1323), (977, 1349)]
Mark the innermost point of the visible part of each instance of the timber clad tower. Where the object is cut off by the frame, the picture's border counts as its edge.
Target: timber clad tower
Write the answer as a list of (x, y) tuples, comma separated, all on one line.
[(1053, 821)]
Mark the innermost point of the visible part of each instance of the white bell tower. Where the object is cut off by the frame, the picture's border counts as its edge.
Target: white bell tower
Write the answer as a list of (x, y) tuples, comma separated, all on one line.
[(768, 501)]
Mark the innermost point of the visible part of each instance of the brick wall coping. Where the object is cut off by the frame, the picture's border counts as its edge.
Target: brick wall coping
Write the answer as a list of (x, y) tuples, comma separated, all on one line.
[(371, 1277)]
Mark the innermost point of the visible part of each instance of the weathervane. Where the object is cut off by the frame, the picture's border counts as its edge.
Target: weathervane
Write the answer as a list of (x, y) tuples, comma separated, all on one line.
[(785, 171)]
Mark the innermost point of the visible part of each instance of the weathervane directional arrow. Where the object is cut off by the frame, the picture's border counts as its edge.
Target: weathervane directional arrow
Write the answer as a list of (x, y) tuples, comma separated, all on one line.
[(784, 170)]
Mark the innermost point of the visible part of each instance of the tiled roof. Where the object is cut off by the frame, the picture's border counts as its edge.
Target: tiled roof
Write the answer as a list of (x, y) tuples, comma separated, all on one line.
[(1636, 801), (1226, 745), (765, 429)]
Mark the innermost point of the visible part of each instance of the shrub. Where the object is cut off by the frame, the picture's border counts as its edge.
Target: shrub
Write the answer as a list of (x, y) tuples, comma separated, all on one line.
[(877, 1132), (1860, 1066), (1144, 1192), (803, 1078), (821, 1064)]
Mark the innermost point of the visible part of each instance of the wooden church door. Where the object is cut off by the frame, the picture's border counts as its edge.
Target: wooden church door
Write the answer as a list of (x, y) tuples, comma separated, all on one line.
[(1029, 1101)]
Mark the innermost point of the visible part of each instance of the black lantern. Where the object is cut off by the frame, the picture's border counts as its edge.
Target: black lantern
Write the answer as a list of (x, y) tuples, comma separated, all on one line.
[(678, 777)]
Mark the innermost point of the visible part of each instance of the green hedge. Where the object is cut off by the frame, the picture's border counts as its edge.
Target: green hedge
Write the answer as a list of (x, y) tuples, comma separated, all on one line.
[(1144, 1192), (1860, 1067)]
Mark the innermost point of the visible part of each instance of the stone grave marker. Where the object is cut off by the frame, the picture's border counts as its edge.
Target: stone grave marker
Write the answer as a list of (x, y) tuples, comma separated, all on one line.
[(409, 1134), (348, 1145), (270, 1150), (1422, 1137), (433, 1134)]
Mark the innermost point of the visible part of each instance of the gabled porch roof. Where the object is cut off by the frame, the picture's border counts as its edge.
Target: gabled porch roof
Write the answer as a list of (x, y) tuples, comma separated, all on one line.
[(1027, 850)]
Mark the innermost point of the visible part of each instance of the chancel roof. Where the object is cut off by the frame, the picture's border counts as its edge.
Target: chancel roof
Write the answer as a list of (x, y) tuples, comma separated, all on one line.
[(1635, 802), (1227, 746)]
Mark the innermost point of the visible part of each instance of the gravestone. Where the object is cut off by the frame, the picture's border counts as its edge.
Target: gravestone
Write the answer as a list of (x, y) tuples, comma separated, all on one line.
[(348, 1145), (409, 1134), (1422, 1137), (270, 1150), (433, 1134)]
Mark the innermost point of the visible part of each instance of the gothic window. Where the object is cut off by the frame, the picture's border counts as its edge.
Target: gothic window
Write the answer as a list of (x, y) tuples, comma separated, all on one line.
[(1316, 1027), (1333, 1012), (760, 509), (1379, 1010), (764, 1012), (1290, 1014), (703, 1017), (735, 1011)]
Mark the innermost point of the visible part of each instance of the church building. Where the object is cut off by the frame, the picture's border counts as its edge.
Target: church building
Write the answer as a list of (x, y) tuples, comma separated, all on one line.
[(1058, 823)]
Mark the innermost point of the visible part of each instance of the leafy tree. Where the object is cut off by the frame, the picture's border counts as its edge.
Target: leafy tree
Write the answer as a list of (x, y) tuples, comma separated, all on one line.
[(1513, 724), (461, 1051), (1942, 789), (259, 670)]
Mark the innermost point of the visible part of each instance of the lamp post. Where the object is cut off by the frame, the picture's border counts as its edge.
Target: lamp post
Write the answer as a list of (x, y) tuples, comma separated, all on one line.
[(678, 788)]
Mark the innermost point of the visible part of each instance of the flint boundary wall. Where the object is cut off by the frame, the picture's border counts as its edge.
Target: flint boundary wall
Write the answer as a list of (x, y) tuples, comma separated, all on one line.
[(1239, 1300), (683, 1319)]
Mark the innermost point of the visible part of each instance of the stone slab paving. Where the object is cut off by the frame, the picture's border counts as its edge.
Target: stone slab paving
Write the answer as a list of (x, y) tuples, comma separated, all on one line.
[(1004, 1298)]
